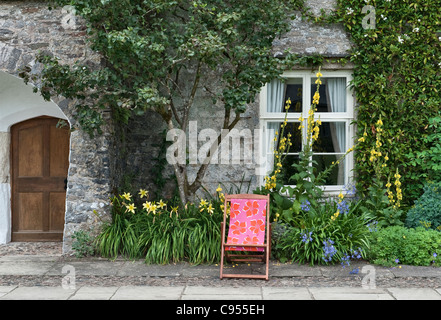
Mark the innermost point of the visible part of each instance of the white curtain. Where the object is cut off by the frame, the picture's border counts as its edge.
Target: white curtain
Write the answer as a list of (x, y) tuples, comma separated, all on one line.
[(336, 93), (274, 103)]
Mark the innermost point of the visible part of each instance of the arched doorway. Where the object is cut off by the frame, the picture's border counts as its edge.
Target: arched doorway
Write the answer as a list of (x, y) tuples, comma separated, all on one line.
[(39, 169), (18, 104)]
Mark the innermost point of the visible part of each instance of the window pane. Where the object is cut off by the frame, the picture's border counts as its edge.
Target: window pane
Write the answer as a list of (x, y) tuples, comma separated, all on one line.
[(294, 91), (332, 94), (331, 138), (337, 174), (278, 92), (290, 128)]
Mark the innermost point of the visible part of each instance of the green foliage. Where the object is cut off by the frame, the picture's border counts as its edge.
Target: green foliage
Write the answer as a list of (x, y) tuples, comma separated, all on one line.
[(378, 205), (304, 241), (398, 244), (147, 45), (397, 76), (427, 209), (82, 244), (161, 234), (429, 160)]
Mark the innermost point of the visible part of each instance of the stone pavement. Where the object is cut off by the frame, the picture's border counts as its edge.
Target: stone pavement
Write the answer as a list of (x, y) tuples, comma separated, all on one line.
[(32, 277)]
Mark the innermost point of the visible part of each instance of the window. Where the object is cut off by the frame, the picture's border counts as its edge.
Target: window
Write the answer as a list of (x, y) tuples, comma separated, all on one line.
[(335, 110)]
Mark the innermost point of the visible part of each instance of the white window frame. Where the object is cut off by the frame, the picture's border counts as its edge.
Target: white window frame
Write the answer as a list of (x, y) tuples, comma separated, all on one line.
[(347, 117)]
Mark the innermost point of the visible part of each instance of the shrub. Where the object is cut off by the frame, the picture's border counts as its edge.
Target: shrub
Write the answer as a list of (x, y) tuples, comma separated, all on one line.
[(419, 247), (82, 244), (427, 209), (323, 235)]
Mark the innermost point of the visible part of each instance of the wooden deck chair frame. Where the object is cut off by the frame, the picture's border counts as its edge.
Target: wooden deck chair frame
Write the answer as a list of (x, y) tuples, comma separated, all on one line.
[(258, 256)]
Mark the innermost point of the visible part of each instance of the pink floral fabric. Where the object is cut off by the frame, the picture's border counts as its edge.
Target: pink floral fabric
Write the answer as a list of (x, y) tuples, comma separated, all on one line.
[(247, 224)]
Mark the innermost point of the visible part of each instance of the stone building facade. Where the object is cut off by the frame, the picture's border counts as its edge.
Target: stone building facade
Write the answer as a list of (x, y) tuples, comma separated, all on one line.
[(98, 165)]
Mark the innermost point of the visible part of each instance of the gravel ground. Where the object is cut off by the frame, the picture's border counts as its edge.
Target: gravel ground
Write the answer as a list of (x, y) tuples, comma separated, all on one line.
[(55, 249)]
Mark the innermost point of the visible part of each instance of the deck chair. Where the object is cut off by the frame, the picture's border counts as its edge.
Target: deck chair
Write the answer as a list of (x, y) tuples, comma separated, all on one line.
[(249, 230)]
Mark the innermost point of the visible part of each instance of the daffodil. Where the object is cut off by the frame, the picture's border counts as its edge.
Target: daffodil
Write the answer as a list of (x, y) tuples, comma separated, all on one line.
[(210, 209)]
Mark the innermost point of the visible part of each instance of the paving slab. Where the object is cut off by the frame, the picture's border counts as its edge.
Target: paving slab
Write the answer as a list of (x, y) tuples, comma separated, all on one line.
[(415, 293), (6, 289), (89, 268), (349, 293), (201, 271), (38, 293), (31, 268), (275, 293), (94, 293), (293, 270), (140, 268), (148, 293), (33, 258), (221, 293), (414, 271)]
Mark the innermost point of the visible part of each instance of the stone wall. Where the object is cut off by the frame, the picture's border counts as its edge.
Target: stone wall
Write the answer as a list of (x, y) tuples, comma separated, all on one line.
[(304, 38), (27, 28)]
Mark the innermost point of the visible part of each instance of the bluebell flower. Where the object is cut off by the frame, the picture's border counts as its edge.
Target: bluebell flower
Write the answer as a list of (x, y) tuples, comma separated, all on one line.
[(354, 271), (350, 189), (305, 206), (345, 260), (306, 237), (372, 226), (328, 250), (343, 207)]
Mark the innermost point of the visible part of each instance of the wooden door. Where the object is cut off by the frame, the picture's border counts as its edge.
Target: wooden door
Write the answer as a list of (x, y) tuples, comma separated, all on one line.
[(39, 164)]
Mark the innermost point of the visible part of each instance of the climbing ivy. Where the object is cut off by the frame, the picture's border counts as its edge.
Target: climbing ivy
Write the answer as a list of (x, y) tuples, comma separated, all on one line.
[(396, 54)]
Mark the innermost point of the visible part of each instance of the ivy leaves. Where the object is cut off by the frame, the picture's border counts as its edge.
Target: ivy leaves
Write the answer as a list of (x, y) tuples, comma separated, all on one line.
[(397, 76)]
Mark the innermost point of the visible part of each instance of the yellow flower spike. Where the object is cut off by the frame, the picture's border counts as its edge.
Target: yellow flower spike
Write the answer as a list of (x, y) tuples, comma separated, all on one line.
[(319, 74), (219, 189)]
